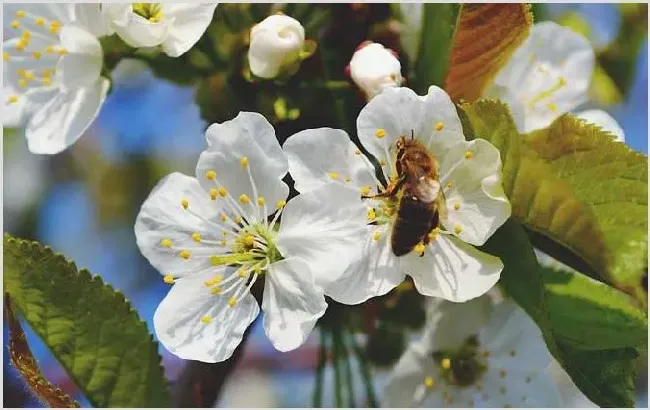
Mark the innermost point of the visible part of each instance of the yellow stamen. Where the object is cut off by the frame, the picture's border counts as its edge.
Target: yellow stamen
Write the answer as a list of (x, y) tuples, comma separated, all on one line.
[(185, 254), (185, 203), (206, 319), (333, 175), (22, 82), (445, 364), (243, 162), (439, 126), (244, 199), (214, 281), (210, 174), (196, 237), (433, 234), (552, 107), (20, 14), (215, 291), (55, 27), (366, 190), (428, 382), (167, 243), (15, 24), (6, 56), (450, 185), (456, 206), (232, 301), (222, 191), (380, 133), (238, 220), (26, 35), (458, 229), (376, 235), (223, 242), (261, 201), (50, 49), (357, 152), (40, 21), (37, 55), (248, 240), (419, 248), (47, 81), (243, 273), (29, 75), (371, 214), (169, 279), (281, 204), (63, 51), (382, 163), (348, 179), (223, 218), (213, 193), (469, 155), (12, 99)]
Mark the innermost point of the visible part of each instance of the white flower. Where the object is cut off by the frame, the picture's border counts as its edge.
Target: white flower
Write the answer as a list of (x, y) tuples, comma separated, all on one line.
[(410, 29), (469, 176), (275, 46), (211, 237), (174, 26), (475, 354), (52, 67), (549, 75), (374, 68)]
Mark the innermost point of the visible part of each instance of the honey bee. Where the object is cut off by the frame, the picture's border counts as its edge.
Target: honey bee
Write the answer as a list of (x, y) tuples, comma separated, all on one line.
[(422, 202)]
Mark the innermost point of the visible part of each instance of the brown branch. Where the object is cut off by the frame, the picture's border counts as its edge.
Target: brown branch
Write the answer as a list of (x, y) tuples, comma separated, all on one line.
[(23, 359)]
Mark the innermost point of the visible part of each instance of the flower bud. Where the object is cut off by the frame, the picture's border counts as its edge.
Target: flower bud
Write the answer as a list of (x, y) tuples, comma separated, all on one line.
[(374, 67), (276, 46)]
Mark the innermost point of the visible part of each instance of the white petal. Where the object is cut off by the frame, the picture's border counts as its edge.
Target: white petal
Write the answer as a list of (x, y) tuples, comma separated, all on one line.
[(405, 386), (292, 303), (602, 119), (163, 217), (134, 29), (476, 203), (83, 63), (179, 328), (251, 136), (513, 390), (375, 274), (12, 113), (64, 13), (431, 119), (189, 23), (511, 330), (326, 228), (444, 330), (63, 117), (548, 75), (452, 270), (324, 155), (374, 68), (275, 43), (90, 17), (411, 28)]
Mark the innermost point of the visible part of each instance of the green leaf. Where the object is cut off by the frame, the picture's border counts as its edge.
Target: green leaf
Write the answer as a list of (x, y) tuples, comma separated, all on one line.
[(591, 315), (612, 180), (438, 24), (605, 376), (91, 329), (485, 38), (574, 186)]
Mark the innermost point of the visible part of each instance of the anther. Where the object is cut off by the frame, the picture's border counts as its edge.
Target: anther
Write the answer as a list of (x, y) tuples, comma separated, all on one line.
[(419, 248), (15, 24), (62, 51), (12, 99), (428, 382), (222, 191), (20, 14), (458, 229), (223, 218), (213, 193), (6, 56), (371, 214), (380, 133), (348, 179), (261, 201), (55, 27), (333, 175), (26, 35), (551, 107), (23, 82), (214, 281), (196, 237), (243, 162), (238, 220), (445, 363), (469, 155), (439, 126), (210, 174), (382, 163), (376, 235), (50, 49), (215, 291), (185, 203), (450, 185), (456, 206), (357, 152), (40, 21), (169, 279), (167, 243), (281, 204), (244, 199), (248, 240), (366, 190), (206, 319), (232, 301), (243, 273), (185, 254), (37, 55)]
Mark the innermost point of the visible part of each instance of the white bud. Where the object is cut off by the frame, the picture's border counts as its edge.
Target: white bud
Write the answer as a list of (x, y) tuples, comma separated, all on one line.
[(373, 68), (275, 46)]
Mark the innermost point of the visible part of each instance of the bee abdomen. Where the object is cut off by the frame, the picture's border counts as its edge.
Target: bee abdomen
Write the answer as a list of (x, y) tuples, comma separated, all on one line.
[(412, 224)]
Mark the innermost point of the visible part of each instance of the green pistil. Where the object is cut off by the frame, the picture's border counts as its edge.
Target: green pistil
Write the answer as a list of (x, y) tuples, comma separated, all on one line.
[(150, 11)]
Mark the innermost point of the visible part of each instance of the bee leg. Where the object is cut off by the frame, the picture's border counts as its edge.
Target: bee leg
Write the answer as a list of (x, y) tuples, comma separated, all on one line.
[(390, 191)]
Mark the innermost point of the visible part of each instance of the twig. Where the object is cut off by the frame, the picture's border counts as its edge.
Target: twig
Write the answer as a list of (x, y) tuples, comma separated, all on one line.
[(320, 370), (365, 372)]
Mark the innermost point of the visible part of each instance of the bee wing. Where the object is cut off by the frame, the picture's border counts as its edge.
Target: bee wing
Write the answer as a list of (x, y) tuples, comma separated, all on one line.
[(427, 189)]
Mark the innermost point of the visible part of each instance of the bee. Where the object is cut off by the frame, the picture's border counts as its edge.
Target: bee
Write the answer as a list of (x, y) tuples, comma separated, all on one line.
[(422, 202)]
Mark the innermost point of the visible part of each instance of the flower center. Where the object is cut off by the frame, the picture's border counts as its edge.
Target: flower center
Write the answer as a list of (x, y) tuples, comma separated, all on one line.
[(33, 52), (149, 11), (464, 366), (547, 82)]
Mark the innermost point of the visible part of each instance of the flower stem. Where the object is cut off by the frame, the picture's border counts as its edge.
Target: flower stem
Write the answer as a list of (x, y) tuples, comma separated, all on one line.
[(322, 360), (338, 385), (348, 374), (365, 373)]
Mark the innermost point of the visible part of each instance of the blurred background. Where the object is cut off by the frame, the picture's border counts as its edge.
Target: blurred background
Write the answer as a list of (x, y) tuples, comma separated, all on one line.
[(83, 202)]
